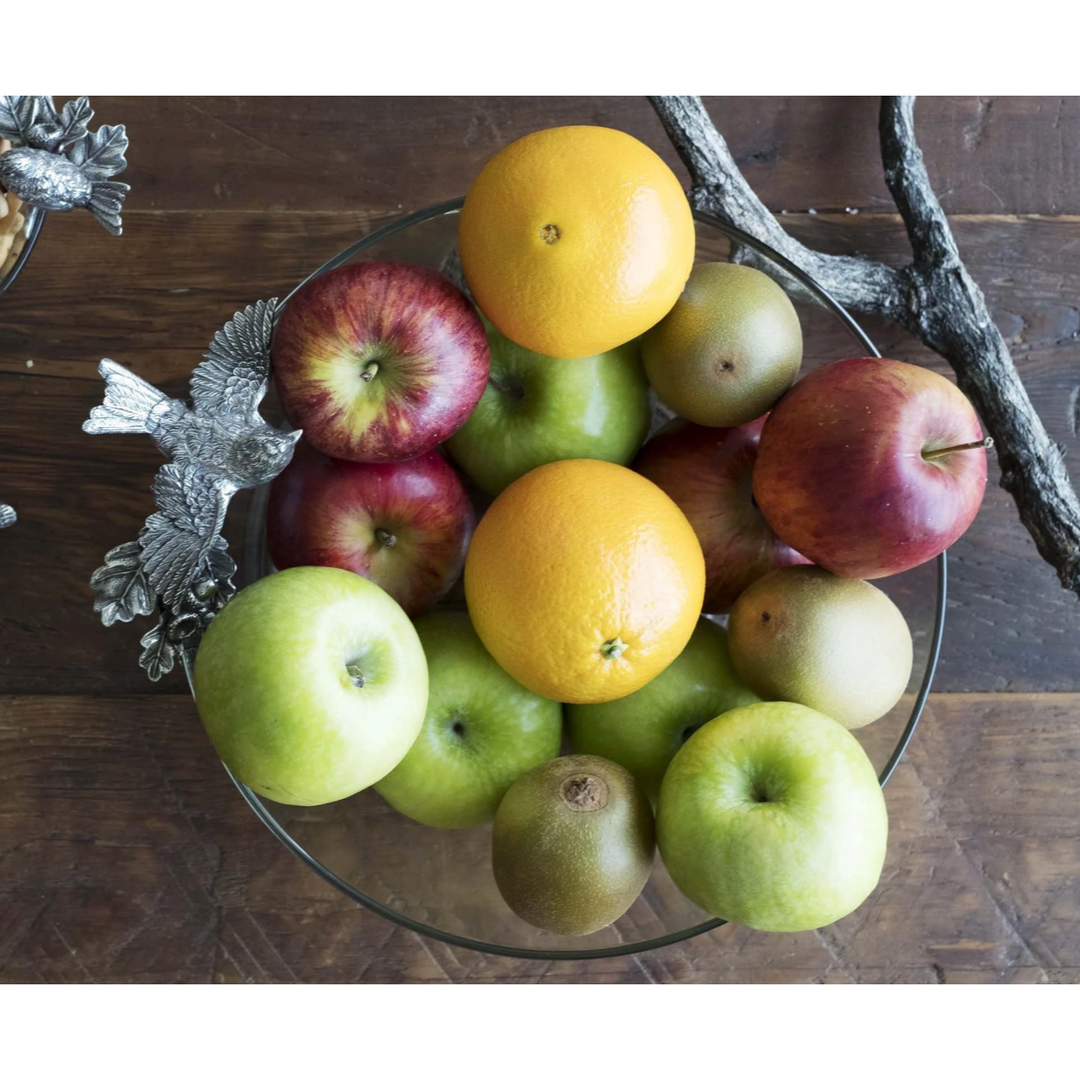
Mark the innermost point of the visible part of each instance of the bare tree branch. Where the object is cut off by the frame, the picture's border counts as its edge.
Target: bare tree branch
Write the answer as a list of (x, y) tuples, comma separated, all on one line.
[(934, 298), (719, 188)]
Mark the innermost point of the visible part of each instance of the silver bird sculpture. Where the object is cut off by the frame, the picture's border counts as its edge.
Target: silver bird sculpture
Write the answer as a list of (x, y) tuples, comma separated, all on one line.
[(57, 163), (218, 445)]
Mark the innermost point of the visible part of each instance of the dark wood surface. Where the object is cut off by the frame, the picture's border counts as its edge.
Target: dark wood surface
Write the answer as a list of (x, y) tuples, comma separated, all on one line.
[(125, 853)]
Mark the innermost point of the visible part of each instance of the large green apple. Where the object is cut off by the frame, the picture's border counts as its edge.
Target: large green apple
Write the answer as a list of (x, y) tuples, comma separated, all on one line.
[(482, 731), (643, 731), (771, 816), (536, 410), (311, 684)]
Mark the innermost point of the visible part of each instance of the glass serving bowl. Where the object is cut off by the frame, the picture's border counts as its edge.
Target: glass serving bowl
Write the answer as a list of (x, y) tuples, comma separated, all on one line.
[(439, 882), (22, 243)]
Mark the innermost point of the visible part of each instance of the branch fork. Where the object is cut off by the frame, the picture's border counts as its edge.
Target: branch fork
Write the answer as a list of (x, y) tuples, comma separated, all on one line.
[(934, 298)]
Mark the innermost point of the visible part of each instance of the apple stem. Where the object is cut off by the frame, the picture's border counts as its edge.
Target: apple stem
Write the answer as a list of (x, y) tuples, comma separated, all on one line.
[(371, 369), (613, 649), (386, 538), (980, 444), (506, 388), (355, 674)]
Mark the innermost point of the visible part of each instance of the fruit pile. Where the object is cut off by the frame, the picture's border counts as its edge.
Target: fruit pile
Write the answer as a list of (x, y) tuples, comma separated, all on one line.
[(588, 577)]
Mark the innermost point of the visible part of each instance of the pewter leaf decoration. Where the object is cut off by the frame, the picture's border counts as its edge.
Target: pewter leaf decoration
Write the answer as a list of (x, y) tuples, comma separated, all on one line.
[(121, 586), (219, 562), (10, 128), (57, 163), (21, 113), (218, 446), (158, 655), (74, 118), (101, 154)]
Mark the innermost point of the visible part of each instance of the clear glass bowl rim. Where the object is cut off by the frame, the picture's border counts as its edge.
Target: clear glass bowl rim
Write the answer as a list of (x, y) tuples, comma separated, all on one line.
[(36, 219), (257, 805)]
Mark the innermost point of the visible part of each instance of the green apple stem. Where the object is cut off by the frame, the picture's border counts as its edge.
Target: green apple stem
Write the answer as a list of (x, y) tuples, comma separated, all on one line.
[(355, 674), (371, 369), (509, 389), (980, 444), (613, 649), (385, 537)]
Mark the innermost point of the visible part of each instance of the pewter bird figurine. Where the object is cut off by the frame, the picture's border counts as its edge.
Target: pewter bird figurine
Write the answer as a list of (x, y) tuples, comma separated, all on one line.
[(56, 163), (218, 446)]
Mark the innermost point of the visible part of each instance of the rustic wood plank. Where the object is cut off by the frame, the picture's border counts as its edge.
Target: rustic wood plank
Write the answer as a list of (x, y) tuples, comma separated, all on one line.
[(986, 155), (127, 855), (1011, 627)]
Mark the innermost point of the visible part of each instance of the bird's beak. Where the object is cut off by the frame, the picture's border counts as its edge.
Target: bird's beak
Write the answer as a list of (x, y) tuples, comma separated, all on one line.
[(295, 436)]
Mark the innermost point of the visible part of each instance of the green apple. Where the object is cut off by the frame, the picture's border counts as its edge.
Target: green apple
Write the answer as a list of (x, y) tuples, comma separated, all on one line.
[(311, 684), (643, 731), (536, 410), (482, 731), (771, 816)]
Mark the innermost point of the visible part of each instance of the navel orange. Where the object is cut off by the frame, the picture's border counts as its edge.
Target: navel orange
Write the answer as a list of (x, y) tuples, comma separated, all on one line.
[(575, 240), (584, 580)]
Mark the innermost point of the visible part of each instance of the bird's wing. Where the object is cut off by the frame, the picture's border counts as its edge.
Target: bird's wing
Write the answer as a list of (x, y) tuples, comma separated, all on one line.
[(235, 372), (183, 534)]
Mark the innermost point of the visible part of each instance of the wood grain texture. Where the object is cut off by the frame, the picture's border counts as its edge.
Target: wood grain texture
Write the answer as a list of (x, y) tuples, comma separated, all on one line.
[(127, 855), (986, 155), (1011, 626)]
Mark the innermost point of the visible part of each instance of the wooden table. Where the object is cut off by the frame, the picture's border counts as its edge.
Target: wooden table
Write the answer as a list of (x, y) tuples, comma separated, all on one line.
[(125, 852)]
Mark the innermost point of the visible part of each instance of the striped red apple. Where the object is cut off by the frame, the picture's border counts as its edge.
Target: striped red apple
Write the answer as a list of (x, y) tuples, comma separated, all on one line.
[(379, 361)]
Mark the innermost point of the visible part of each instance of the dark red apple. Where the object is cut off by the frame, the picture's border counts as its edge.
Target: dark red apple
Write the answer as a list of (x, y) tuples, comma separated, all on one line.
[(707, 472), (405, 524), (870, 467), (379, 361)]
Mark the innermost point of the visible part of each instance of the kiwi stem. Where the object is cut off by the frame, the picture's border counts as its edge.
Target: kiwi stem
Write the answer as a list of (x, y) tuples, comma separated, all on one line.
[(584, 792), (980, 444), (385, 537), (371, 369)]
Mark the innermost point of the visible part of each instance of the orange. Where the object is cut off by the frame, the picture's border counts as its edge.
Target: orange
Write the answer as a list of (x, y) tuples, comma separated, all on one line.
[(575, 240), (584, 580)]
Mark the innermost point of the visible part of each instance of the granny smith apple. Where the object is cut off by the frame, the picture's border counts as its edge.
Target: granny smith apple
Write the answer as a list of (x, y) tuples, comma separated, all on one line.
[(482, 731), (536, 410), (771, 816), (643, 731), (311, 684)]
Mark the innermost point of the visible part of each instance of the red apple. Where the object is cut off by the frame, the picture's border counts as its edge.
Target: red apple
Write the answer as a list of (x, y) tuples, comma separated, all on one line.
[(870, 467), (707, 472), (404, 525), (379, 361)]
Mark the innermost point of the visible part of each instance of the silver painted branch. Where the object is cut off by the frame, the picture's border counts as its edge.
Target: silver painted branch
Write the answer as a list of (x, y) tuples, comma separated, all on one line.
[(934, 298)]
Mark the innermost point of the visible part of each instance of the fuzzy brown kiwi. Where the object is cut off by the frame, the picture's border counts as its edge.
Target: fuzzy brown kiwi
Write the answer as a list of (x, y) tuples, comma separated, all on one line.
[(573, 844)]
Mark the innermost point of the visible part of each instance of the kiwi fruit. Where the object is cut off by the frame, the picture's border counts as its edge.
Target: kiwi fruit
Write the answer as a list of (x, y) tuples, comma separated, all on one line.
[(837, 645), (573, 844), (728, 349)]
